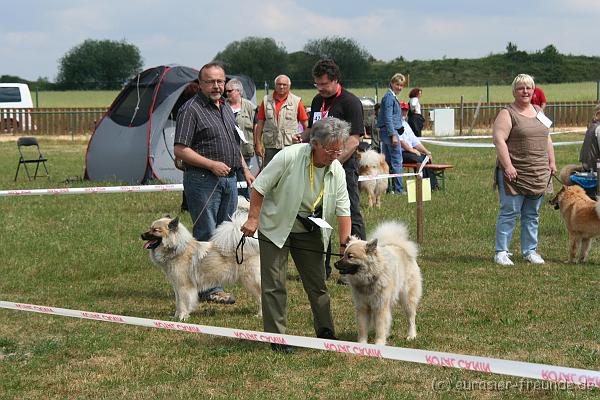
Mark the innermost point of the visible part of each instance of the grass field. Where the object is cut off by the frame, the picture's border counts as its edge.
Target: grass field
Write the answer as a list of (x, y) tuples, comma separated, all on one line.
[(583, 91), (84, 252)]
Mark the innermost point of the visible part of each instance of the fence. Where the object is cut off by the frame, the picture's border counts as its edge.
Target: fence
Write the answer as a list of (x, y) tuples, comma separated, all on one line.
[(562, 114), (50, 121), (82, 121)]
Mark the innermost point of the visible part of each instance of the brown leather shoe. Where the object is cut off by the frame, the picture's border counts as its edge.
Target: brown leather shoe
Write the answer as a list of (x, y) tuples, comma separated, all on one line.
[(220, 298)]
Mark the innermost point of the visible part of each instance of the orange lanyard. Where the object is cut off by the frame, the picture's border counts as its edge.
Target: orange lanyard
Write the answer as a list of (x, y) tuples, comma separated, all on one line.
[(323, 110)]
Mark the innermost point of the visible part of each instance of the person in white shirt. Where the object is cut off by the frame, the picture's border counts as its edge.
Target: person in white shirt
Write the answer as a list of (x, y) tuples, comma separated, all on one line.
[(413, 150), (415, 119)]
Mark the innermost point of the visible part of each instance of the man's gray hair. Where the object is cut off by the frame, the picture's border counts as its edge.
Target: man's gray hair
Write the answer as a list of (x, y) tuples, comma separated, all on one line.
[(235, 84), (329, 130), (287, 78)]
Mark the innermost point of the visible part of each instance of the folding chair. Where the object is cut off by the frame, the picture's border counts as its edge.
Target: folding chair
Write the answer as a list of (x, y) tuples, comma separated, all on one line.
[(27, 157)]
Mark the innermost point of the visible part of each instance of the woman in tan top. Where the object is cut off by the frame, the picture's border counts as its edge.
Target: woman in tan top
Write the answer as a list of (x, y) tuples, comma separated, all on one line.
[(525, 163)]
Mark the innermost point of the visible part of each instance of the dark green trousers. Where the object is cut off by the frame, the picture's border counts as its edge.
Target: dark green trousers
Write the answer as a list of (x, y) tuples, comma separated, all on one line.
[(273, 273)]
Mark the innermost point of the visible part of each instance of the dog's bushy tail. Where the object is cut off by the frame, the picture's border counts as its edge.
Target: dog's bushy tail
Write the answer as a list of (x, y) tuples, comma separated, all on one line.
[(567, 171), (227, 236), (395, 233)]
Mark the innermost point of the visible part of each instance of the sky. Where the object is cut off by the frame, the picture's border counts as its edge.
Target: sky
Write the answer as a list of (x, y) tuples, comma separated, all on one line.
[(35, 34)]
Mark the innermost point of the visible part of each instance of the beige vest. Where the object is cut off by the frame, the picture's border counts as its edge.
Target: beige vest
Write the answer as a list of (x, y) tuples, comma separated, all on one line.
[(245, 120), (278, 133)]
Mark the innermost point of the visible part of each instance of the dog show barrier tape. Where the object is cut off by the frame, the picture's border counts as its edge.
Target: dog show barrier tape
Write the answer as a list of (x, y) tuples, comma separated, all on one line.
[(574, 376), (141, 188), (441, 141)]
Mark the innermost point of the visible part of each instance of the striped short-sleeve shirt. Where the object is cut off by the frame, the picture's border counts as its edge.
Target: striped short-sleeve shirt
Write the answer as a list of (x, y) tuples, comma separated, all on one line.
[(209, 131)]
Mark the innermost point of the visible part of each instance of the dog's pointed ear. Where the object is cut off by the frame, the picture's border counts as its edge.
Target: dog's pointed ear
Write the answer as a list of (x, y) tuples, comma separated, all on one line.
[(371, 246), (167, 216), (174, 224)]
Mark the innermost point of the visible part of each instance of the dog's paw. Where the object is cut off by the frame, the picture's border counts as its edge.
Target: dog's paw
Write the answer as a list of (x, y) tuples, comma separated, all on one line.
[(411, 337), (182, 317)]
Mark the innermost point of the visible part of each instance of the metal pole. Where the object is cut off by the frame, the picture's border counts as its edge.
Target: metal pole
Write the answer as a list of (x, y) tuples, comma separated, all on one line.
[(37, 103), (266, 88), (597, 175), (597, 91), (419, 189), (377, 92), (475, 115), (487, 85)]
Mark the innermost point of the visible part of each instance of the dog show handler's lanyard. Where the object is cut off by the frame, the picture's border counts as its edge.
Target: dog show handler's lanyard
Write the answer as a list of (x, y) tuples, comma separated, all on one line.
[(312, 185), (325, 111)]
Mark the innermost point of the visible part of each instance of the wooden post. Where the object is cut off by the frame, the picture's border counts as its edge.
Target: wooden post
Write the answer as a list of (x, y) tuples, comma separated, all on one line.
[(419, 190)]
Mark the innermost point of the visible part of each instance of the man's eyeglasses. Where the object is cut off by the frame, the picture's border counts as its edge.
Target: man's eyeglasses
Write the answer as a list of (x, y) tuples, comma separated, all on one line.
[(219, 82), (335, 153), (229, 90), (321, 84)]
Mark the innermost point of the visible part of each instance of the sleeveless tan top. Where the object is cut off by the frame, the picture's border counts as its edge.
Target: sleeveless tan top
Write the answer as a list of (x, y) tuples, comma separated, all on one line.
[(528, 150)]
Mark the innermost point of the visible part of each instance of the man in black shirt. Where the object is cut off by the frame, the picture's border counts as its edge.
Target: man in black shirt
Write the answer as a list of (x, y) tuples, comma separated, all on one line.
[(335, 101)]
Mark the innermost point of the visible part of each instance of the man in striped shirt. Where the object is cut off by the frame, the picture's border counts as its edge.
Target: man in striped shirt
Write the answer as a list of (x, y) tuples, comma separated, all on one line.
[(208, 143)]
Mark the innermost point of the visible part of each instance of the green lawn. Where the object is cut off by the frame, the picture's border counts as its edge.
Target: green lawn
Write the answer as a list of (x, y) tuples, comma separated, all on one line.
[(84, 252), (582, 91)]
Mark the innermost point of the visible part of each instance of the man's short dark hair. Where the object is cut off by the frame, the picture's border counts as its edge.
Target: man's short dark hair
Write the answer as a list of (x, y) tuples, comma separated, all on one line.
[(326, 67), (210, 65)]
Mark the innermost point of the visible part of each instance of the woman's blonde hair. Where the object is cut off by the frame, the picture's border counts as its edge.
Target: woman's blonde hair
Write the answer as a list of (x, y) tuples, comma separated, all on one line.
[(398, 78), (523, 78)]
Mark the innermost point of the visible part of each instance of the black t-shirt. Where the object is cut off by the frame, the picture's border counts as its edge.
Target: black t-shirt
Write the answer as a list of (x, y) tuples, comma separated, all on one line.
[(346, 107)]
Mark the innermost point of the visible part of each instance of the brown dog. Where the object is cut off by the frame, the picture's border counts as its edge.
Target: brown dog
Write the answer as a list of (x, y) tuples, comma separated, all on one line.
[(582, 218)]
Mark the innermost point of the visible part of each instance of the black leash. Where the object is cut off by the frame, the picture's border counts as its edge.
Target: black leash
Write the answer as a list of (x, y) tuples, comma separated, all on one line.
[(239, 258)]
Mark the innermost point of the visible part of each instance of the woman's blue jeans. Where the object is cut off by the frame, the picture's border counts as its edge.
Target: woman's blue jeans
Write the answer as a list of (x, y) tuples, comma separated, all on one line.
[(512, 207)]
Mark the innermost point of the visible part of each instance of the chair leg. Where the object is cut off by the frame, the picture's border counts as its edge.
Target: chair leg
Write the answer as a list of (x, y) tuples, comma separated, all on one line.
[(27, 171), (18, 167)]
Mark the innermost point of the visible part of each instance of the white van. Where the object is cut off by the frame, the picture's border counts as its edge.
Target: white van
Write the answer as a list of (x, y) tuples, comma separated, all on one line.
[(14, 96)]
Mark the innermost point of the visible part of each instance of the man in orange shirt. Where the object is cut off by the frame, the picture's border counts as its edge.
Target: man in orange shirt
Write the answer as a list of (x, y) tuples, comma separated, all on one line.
[(278, 119)]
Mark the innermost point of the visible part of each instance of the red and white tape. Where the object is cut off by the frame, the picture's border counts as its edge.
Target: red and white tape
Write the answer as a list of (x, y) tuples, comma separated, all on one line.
[(574, 376), (138, 189)]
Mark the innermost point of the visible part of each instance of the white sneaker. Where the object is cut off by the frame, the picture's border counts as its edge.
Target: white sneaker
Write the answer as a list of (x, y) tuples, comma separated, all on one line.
[(502, 258), (534, 258)]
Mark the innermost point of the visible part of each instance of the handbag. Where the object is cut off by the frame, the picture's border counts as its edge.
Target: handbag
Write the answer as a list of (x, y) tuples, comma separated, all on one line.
[(309, 224)]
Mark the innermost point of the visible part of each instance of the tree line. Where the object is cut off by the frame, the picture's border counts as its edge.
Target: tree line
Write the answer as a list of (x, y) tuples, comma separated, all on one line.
[(105, 64)]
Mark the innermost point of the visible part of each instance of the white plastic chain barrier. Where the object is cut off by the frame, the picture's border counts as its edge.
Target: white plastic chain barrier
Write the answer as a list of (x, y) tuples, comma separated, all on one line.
[(141, 188), (580, 377), (487, 145), (447, 140)]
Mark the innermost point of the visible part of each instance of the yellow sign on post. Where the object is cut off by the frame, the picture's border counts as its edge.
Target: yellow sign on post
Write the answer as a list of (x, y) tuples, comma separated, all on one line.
[(411, 188)]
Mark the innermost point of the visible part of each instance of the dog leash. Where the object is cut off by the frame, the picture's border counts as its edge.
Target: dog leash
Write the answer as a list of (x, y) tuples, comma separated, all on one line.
[(239, 249), (205, 205)]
